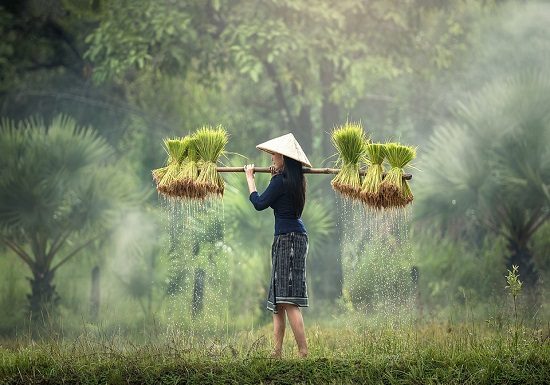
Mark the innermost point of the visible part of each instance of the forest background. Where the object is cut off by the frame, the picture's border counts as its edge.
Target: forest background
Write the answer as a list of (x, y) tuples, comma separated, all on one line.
[(88, 90)]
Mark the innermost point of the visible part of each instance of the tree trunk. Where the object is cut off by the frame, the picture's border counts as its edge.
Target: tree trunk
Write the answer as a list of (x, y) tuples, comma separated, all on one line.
[(43, 298), (95, 295), (522, 257), (198, 293), (304, 131)]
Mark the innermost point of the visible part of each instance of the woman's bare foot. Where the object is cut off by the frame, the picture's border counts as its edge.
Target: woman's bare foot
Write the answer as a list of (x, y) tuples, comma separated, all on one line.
[(302, 353), (276, 354)]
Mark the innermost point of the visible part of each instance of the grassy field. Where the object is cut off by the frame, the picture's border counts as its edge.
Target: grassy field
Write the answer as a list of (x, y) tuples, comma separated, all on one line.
[(459, 354)]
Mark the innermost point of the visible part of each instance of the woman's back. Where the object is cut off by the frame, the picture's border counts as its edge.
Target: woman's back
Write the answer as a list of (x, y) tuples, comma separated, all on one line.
[(283, 204)]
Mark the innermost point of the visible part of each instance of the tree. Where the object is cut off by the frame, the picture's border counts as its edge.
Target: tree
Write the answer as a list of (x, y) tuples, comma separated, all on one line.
[(488, 169), (61, 190), (317, 56), (43, 71)]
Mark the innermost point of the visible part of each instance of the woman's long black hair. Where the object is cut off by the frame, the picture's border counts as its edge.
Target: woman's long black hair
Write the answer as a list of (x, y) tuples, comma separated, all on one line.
[(295, 183)]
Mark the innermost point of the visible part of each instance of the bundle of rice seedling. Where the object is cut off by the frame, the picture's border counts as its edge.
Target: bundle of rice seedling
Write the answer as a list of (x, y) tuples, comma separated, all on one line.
[(350, 141), (370, 190), (187, 178), (184, 185), (395, 191), (210, 144), (166, 177)]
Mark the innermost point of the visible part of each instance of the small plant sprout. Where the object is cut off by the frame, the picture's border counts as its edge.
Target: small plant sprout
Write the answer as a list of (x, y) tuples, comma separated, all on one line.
[(514, 286)]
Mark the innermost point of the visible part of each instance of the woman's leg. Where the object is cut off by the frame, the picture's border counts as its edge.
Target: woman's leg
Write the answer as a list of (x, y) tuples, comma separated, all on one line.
[(297, 324), (279, 323)]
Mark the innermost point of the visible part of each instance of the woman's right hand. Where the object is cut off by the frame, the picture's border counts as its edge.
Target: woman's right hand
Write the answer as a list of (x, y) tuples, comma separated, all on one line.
[(249, 171)]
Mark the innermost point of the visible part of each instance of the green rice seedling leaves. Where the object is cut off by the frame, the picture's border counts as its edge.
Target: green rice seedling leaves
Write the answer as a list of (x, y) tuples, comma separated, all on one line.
[(394, 191), (175, 151), (187, 178), (210, 144), (350, 141), (370, 189), (166, 177)]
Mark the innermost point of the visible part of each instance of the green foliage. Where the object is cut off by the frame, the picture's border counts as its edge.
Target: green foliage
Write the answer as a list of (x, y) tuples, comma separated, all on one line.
[(12, 301), (447, 268), (265, 69), (60, 190), (7, 45), (129, 28), (47, 173), (491, 160), (325, 57)]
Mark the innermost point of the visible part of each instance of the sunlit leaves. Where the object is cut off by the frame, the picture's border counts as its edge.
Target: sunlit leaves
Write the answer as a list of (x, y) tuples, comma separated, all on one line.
[(129, 30)]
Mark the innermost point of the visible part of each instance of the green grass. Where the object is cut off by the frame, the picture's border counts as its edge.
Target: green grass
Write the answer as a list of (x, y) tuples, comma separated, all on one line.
[(428, 354)]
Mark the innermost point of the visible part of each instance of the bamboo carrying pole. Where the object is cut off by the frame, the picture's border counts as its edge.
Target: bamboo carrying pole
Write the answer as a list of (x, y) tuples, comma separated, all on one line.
[(306, 170)]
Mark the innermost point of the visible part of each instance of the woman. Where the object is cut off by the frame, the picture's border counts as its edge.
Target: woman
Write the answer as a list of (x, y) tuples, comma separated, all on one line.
[(286, 196)]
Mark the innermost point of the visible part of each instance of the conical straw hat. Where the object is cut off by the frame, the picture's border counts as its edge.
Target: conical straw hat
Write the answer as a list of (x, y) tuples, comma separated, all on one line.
[(285, 145)]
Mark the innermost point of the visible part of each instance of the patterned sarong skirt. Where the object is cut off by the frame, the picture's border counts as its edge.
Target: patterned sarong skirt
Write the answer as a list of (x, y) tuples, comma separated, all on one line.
[(288, 271)]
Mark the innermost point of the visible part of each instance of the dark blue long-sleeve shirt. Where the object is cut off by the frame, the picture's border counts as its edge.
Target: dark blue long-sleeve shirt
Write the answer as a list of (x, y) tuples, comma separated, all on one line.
[(283, 207)]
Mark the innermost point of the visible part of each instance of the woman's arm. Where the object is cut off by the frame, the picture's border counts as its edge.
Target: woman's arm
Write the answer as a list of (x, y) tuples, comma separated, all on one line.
[(273, 191), (249, 172)]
